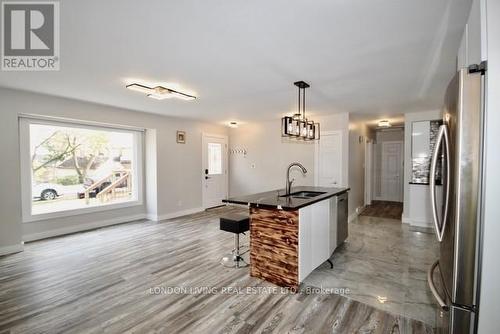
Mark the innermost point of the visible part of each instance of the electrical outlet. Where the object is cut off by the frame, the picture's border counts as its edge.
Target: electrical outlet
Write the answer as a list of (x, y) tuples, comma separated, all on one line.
[(252, 165)]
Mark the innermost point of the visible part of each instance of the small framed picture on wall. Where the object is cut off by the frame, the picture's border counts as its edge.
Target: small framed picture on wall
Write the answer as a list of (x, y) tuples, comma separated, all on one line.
[(181, 137)]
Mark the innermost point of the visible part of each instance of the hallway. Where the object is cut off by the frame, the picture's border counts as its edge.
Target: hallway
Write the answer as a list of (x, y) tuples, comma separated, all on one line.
[(384, 209)]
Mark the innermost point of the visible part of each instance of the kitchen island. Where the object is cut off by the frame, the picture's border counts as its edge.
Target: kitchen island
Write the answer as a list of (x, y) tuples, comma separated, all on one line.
[(291, 235)]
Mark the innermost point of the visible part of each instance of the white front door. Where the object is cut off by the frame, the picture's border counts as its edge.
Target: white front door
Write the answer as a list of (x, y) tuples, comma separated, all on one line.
[(392, 171), (214, 173), (329, 159)]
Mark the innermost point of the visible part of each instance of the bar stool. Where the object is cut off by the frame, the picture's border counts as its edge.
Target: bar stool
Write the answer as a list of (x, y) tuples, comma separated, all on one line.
[(234, 223)]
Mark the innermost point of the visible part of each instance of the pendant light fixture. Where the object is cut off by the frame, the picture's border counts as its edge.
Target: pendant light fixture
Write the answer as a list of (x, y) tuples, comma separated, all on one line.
[(298, 126)]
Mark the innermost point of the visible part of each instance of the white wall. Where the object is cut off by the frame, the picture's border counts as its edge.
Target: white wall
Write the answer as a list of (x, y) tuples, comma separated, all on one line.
[(490, 277), (178, 165), (416, 203), (10, 198), (151, 170), (268, 155), (356, 174)]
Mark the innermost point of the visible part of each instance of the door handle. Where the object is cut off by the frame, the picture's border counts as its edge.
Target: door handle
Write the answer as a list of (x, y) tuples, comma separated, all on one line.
[(442, 134), (207, 177), (434, 291)]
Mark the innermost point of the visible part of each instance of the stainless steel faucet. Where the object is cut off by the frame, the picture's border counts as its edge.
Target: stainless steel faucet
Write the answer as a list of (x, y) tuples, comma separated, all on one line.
[(288, 182)]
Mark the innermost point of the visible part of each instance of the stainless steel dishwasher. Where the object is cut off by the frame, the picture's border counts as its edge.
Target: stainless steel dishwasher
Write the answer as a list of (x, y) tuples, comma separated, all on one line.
[(342, 213)]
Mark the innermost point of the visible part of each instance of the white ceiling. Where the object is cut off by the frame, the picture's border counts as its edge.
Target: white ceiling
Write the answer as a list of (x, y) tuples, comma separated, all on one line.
[(380, 57)]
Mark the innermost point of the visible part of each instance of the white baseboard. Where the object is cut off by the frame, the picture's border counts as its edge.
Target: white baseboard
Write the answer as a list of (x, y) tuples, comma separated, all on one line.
[(82, 227), (11, 249), (103, 223), (152, 217), (420, 223), (243, 206), (355, 214), (405, 220), (416, 222), (176, 214)]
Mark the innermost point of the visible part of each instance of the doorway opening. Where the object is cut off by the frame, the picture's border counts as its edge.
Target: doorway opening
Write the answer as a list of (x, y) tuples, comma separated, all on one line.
[(384, 162)]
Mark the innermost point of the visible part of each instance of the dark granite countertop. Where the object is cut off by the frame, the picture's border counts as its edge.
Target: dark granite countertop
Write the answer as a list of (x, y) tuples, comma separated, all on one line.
[(425, 183), (271, 200)]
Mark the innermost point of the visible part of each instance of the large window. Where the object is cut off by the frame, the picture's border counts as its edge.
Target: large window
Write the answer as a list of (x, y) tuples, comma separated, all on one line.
[(71, 168)]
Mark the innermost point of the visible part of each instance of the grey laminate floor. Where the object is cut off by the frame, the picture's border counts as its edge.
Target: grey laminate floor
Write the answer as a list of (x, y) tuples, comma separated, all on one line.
[(164, 278)]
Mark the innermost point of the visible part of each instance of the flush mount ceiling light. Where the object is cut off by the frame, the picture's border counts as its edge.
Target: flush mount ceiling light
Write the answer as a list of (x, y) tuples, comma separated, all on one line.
[(384, 124), (298, 126), (233, 124), (159, 92)]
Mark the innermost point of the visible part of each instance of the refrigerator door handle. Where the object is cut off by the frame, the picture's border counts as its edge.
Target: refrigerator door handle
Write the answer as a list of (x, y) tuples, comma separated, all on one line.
[(439, 299), (434, 291), (440, 226)]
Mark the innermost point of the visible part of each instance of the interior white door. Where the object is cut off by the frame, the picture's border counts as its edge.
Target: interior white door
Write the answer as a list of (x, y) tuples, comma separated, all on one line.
[(214, 174), (329, 160), (392, 171)]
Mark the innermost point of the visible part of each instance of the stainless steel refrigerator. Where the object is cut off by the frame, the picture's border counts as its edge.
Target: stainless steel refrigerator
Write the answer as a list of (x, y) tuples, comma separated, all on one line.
[(454, 277)]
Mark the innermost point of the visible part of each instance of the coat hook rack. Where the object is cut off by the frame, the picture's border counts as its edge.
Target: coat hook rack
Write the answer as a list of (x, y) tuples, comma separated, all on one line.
[(238, 151)]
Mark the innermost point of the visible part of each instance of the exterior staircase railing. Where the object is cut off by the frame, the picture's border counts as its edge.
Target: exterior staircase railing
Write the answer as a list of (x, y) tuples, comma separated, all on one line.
[(110, 191), (116, 179)]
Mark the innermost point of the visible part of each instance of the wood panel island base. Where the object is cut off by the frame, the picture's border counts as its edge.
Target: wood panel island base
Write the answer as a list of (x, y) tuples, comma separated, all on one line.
[(274, 246), (292, 235)]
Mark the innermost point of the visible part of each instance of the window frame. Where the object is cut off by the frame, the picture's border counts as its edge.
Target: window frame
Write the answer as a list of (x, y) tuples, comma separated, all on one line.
[(26, 174)]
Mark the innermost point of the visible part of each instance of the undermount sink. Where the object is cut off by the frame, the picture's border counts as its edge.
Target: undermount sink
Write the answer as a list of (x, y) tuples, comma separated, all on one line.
[(304, 194)]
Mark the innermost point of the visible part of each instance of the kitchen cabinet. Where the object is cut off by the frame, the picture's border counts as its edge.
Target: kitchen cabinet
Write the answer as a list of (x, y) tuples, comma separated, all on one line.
[(472, 48), (322, 228), (291, 235)]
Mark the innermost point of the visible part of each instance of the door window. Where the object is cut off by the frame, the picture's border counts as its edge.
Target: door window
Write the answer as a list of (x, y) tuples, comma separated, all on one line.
[(214, 158)]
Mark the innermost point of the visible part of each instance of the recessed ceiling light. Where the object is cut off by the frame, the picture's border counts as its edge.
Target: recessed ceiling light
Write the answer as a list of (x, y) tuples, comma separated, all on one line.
[(384, 124), (381, 299), (159, 92)]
